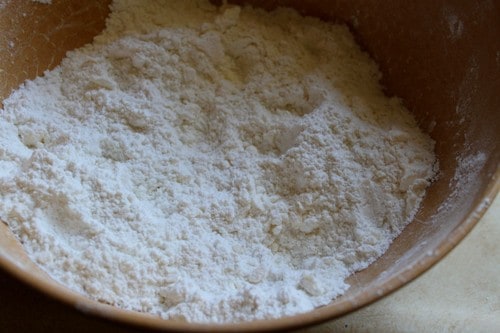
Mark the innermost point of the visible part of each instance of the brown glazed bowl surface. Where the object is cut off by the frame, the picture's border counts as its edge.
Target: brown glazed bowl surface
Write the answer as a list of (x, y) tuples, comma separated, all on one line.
[(441, 57)]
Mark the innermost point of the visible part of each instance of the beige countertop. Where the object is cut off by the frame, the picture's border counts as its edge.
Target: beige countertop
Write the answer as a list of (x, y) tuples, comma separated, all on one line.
[(459, 294)]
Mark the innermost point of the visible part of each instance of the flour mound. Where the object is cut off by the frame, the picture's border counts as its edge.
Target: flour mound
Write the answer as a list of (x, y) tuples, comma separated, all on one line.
[(210, 164)]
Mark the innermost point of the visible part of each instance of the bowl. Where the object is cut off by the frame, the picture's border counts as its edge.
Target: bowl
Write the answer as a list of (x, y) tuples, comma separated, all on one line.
[(441, 57)]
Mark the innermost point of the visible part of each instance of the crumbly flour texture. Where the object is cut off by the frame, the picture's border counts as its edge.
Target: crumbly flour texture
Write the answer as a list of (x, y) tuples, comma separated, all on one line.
[(210, 164)]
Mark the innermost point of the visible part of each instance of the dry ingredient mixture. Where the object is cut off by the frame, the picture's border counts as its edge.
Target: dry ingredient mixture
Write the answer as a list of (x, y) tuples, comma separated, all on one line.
[(210, 164)]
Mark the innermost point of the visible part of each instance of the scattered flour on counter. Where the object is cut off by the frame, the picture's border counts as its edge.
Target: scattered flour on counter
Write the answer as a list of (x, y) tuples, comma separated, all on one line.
[(210, 164)]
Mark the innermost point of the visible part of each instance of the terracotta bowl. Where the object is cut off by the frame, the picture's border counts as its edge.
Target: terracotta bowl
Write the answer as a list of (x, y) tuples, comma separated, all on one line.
[(442, 57)]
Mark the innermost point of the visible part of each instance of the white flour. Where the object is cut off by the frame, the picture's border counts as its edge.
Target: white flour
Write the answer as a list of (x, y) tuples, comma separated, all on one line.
[(210, 165)]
